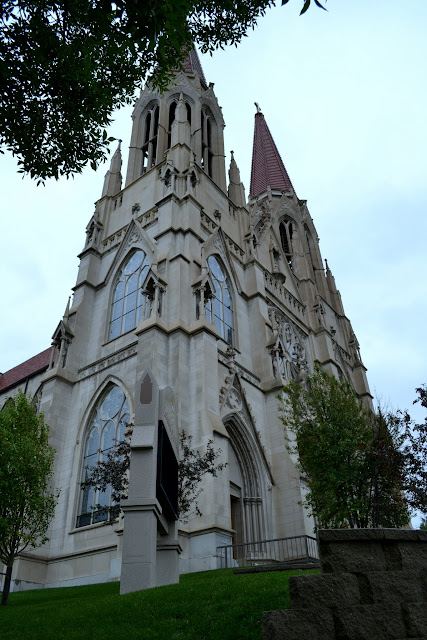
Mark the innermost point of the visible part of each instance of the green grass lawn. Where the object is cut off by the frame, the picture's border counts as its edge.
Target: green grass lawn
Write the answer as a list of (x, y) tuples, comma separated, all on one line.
[(203, 606)]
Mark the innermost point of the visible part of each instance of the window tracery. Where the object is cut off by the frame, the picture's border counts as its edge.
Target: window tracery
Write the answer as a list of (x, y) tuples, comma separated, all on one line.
[(105, 430), (219, 307), (129, 299)]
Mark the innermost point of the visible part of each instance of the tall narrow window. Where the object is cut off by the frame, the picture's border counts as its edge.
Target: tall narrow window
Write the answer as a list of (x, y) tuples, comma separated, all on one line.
[(149, 147), (207, 150), (106, 429), (220, 306), (128, 299), (286, 231)]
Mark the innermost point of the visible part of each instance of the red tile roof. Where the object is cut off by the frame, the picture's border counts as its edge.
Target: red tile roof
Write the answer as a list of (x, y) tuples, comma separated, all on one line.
[(267, 165), (29, 368), (192, 63)]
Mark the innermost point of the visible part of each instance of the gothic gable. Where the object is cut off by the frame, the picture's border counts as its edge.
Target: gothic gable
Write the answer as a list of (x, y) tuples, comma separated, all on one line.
[(287, 208), (209, 99), (188, 85), (217, 244), (144, 100), (135, 238)]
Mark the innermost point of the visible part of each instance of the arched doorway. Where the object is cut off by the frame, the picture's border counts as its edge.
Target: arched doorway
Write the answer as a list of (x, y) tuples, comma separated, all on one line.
[(248, 475)]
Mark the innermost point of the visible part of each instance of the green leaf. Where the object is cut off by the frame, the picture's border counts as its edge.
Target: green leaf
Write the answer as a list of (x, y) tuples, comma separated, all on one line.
[(320, 5), (305, 7)]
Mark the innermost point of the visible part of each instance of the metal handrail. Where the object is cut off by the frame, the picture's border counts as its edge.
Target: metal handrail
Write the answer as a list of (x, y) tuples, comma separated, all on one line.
[(270, 551)]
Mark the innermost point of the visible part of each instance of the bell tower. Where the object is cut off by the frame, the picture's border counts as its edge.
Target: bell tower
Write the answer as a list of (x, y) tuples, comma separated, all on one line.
[(154, 115)]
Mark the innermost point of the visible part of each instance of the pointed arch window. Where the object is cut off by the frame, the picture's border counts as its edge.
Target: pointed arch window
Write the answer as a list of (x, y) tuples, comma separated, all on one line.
[(150, 137), (106, 429), (219, 308), (172, 109), (207, 154), (129, 301), (286, 232)]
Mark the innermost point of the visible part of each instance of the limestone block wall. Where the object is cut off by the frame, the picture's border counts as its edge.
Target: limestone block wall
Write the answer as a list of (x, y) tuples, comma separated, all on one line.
[(374, 586)]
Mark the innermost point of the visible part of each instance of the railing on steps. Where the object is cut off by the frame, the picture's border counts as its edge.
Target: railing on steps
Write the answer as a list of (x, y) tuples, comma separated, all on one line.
[(269, 552)]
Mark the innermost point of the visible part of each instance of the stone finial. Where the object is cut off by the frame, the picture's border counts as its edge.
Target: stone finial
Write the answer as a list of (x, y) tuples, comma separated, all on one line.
[(236, 190), (116, 160), (113, 177), (181, 110), (330, 279), (67, 310)]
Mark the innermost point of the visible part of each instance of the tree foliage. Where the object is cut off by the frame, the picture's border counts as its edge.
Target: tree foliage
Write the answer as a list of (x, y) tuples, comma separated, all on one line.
[(66, 65), (193, 465), (415, 452), (350, 458), (27, 501)]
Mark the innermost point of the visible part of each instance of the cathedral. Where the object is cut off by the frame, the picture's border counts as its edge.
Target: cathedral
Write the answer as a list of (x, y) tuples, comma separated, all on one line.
[(223, 298)]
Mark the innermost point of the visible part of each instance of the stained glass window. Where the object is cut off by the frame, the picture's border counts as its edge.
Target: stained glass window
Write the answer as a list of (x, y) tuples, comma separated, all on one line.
[(220, 306), (128, 299), (106, 428)]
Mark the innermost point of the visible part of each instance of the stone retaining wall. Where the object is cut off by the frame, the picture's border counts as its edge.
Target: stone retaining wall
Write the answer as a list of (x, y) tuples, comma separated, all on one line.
[(373, 587)]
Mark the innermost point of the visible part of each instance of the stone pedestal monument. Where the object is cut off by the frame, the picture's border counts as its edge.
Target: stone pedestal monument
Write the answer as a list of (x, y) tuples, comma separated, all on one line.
[(150, 539)]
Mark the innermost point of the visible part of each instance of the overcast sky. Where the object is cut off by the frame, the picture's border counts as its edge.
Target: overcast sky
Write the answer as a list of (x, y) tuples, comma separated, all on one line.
[(344, 95)]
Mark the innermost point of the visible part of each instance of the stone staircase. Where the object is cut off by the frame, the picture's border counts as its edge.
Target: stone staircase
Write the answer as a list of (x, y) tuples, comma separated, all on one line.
[(373, 586)]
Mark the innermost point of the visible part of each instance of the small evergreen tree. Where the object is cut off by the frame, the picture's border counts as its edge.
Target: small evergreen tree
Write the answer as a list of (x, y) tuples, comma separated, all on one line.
[(27, 501)]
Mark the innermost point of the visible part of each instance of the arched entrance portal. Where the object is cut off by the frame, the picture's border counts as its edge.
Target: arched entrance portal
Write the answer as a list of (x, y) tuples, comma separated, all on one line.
[(248, 475)]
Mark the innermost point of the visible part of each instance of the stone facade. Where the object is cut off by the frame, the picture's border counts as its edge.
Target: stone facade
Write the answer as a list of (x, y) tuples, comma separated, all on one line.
[(222, 299)]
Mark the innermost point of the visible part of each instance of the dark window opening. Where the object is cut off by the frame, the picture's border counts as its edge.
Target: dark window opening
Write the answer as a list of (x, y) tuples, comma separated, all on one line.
[(286, 231), (207, 154), (149, 147)]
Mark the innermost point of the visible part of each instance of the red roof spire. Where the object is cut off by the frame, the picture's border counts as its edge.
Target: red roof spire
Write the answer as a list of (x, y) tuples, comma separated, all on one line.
[(267, 165), (192, 63)]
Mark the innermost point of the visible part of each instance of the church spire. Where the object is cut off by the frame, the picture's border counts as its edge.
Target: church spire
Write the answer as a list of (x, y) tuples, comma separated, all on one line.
[(268, 169), (192, 64)]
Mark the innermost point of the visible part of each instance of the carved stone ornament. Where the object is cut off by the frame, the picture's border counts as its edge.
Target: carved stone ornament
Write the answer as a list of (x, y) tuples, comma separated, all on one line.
[(219, 245), (319, 311), (234, 400), (289, 354), (262, 218), (134, 237), (93, 229), (167, 174)]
